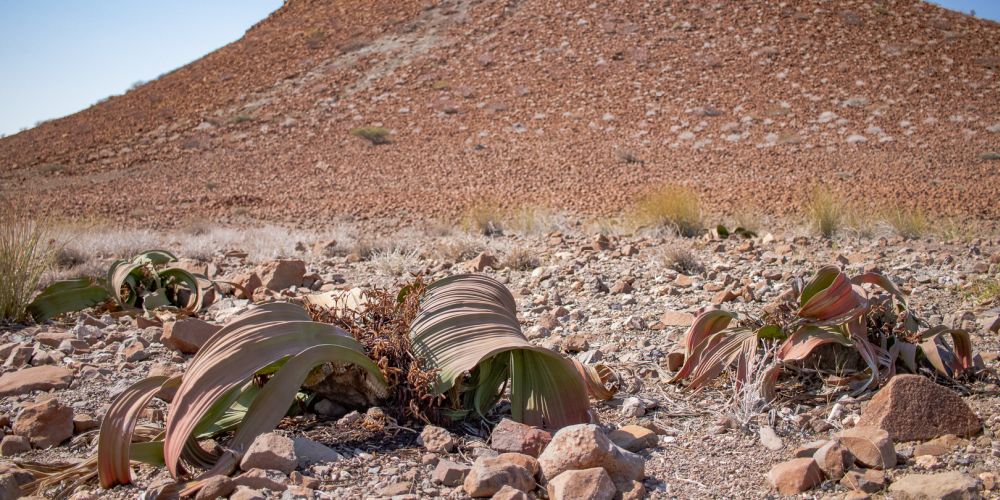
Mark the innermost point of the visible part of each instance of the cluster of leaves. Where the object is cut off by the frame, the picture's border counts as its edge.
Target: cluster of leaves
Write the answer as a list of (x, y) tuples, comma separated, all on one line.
[(831, 310), (448, 349), (145, 282)]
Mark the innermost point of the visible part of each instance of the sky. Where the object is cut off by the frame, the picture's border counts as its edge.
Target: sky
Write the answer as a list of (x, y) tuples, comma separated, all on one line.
[(61, 56)]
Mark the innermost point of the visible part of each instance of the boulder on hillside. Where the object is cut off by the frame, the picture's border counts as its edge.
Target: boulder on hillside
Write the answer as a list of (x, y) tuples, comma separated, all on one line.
[(914, 408)]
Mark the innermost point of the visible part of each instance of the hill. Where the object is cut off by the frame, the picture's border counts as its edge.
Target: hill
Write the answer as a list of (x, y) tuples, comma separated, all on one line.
[(580, 105)]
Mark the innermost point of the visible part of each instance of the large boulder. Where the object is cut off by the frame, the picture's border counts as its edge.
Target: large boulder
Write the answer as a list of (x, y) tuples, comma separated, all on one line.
[(45, 423), (187, 335), (38, 378), (914, 408), (952, 485), (585, 446)]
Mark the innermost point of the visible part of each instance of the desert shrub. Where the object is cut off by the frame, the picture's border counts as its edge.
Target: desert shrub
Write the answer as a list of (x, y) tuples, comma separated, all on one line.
[(395, 262), (528, 220), (860, 222), (984, 290), (25, 255), (374, 135), (458, 247), (485, 218), (521, 258), (909, 224), (677, 208), (681, 259), (953, 229), (826, 212)]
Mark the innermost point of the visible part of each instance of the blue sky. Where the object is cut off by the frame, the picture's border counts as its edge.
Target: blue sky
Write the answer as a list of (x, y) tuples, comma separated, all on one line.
[(61, 56)]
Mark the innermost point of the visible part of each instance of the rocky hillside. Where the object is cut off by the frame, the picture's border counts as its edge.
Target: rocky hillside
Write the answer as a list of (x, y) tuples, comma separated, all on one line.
[(580, 105)]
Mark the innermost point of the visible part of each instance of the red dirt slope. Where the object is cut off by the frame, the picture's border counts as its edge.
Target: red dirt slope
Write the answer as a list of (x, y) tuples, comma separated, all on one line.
[(575, 104)]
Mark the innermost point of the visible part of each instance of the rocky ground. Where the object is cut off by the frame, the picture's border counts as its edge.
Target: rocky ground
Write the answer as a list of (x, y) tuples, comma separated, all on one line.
[(620, 300)]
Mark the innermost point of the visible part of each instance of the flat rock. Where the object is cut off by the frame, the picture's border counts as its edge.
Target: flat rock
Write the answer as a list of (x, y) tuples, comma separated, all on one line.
[(38, 378), (945, 486), (272, 452), (587, 484), (795, 476), (13, 445), (633, 438), (870, 446), (218, 486), (508, 492), (584, 446), (866, 480), (515, 437), (262, 479), (833, 459), (677, 318), (187, 335), (914, 408), (939, 445), (450, 473), (308, 452), (45, 423), (437, 439)]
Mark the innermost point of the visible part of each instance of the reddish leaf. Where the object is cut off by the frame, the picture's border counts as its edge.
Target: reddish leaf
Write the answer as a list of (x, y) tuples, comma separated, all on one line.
[(806, 339)]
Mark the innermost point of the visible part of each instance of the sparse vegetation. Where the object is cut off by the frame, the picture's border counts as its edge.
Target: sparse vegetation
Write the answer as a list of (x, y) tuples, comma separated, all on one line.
[(984, 290), (677, 208), (860, 222), (826, 212), (395, 262), (681, 259), (485, 218), (990, 156), (908, 223), (241, 118), (458, 247), (521, 258), (374, 135), (627, 156), (26, 253)]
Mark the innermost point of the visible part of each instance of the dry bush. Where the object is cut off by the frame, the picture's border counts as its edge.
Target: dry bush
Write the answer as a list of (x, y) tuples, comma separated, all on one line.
[(395, 262), (521, 258), (826, 212), (681, 259), (749, 399), (484, 218), (984, 290), (457, 248), (909, 224), (748, 219), (532, 220), (952, 229), (677, 208), (860, 222), (26, 253)]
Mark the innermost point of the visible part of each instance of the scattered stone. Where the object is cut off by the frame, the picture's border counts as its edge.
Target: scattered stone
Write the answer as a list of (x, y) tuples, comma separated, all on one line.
[(589, 484), (867, 480), (9, 489), (247, 493), (770, 439), (914, 408), (633, 438), (809, 449), (83, 423), (945, 485), (395, 489), (584, 446), (489, 474), (45, 423), (38, 378), (450, 473), (262, 479), (270, 451), (218, 486), (795, 476), (633, 407), (13, 445), (510, 493), (308, 452), (480, 262), (677, 318), (187, 335), (280, 274), (437, 439), (511, 436), (833, 459), (870, 446), (939, 446)]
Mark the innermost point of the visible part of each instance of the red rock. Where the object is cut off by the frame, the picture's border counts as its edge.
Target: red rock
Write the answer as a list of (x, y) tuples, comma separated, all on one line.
[(868, 480), (914, 408), (590, 484), (870, 446), (187, 335), (39, 378), (248, 284), (482, 261), (633, 438), (584, 446), (511, 436), (833, 459), (489, 474), (450, 473), (795, 476), (677, 318), (281, 274), (45, 423)]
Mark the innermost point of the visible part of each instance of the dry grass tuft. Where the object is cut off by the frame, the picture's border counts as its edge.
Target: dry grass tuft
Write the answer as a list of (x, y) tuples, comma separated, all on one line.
[(457, 248), (826, 212), (909, 224), (521, 258), (532, 220), (485, 219), (677, 208), (396, 262), (681, 259), (26, 254), (984, 290)]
